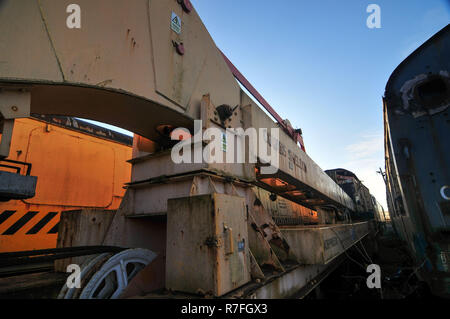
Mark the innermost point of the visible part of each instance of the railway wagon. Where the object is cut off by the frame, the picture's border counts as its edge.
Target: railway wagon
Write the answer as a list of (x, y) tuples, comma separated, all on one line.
[(358, 192), (417, 157), (380, 215), (78, 165)]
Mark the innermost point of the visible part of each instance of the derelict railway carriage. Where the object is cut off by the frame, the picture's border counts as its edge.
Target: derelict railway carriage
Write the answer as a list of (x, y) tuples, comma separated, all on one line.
[(417, 152)]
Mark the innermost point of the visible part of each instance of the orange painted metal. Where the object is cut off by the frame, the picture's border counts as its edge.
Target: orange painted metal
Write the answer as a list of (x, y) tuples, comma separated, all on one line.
[(74, 170)]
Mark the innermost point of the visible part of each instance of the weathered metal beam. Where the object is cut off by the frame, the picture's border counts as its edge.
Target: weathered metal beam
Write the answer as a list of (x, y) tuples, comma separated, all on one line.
[(15, 186), (296, 170), (318, 245)]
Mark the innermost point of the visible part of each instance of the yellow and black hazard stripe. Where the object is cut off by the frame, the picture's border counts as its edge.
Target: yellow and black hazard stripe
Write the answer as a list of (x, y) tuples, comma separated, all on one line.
[(19, 224)]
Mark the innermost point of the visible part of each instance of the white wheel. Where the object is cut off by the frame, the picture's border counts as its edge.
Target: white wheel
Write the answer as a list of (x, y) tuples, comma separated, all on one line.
[(115, 274)]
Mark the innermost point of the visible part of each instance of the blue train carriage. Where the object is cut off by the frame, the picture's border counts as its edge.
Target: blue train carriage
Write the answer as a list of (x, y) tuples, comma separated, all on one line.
[(417, 153), (358, 192)]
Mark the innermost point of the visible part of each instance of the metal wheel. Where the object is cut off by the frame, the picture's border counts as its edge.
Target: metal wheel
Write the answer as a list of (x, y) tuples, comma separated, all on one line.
[(115, 274)]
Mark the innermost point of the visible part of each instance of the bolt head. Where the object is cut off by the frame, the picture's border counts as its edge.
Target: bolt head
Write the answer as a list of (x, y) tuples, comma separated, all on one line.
[(187, 6)]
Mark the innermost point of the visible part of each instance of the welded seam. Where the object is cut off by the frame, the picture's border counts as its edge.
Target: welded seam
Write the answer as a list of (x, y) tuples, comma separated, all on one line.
[(50, 39)]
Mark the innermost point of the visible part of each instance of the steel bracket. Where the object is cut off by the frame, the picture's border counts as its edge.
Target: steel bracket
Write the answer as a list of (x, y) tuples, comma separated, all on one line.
[(15, 102)]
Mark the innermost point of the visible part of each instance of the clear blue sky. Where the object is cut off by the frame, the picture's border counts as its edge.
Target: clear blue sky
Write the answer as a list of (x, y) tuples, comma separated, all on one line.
[(318, 65)]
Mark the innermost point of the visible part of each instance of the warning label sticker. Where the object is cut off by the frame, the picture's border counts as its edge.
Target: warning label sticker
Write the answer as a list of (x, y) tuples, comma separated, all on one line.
[(175, 23)]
